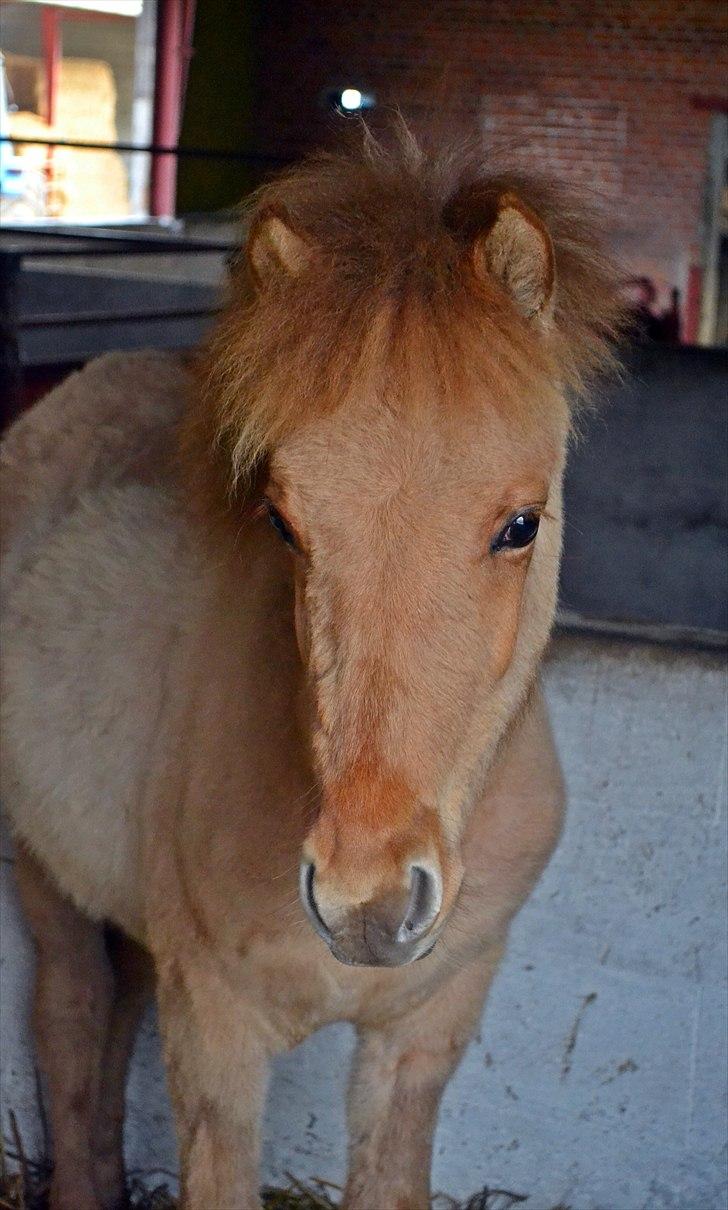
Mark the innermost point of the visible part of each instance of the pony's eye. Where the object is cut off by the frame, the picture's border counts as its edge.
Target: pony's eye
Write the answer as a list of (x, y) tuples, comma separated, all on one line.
[(520, 531), (280, 526)]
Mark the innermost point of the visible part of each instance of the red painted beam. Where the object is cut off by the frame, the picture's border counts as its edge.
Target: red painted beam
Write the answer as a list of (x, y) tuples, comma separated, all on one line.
[(175, 23), (692, 305), (50, 28), (52, 51)]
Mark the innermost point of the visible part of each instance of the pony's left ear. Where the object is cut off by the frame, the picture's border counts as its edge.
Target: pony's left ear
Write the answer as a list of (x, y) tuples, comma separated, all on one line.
[(274, 247), (517, 251)]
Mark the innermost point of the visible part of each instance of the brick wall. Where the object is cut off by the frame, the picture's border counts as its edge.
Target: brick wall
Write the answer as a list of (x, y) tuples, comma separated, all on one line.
[(600, 92)]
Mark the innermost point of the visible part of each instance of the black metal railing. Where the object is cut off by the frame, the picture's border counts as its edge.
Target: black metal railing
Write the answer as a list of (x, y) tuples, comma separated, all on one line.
[(155, 149)]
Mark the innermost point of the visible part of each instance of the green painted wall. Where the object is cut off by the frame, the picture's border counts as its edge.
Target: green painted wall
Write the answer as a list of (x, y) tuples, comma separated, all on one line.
[(219, 105)]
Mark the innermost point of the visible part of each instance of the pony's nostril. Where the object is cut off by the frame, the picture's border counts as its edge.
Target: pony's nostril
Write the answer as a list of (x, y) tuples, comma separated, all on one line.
[(424, 903), (369, 928), (307, 874)]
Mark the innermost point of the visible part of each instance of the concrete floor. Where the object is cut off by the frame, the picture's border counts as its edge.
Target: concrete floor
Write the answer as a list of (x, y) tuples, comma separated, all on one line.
[(599, 1075)]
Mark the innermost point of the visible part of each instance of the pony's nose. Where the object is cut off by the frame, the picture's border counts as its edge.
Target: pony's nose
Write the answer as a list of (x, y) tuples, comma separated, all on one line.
[(387, 931)]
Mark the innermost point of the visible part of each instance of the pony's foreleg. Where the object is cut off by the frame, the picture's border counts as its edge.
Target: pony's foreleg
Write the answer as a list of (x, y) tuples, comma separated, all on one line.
[(73, 995), (133, 986), (217, 1057), (400, 1070)]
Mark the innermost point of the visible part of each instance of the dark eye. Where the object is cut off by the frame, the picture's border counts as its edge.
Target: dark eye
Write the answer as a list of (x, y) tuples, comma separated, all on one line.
[(520, 531), (280, 526)]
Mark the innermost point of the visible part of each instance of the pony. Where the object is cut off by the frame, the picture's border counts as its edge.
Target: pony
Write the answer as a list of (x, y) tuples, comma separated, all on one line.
[(274, 742)]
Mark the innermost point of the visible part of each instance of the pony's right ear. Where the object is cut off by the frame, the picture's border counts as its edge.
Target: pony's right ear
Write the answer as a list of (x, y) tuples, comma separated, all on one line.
[(274, 247)]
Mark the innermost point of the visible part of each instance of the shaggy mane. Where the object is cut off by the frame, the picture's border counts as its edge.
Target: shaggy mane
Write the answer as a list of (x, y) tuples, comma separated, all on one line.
[(389, 289)]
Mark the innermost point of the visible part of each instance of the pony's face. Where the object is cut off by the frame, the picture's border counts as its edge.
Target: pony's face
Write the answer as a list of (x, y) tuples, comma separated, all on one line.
[(418, 489), (425, 552)]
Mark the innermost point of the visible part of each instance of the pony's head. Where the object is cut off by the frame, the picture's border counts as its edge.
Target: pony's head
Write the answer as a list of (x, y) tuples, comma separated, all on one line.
[(394, 366)]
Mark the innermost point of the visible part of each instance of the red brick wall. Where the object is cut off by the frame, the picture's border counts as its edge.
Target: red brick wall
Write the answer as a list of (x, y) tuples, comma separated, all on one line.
[(599, 92)]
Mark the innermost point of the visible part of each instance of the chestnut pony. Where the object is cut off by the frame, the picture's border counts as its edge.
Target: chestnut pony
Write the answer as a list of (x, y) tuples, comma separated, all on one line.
[(272, 721)]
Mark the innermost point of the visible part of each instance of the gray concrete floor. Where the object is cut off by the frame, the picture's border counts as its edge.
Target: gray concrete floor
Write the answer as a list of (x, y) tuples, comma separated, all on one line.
[(599, 1074)]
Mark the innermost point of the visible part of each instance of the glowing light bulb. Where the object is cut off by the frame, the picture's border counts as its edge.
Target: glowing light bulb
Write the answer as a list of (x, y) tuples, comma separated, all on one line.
[(351, 98)]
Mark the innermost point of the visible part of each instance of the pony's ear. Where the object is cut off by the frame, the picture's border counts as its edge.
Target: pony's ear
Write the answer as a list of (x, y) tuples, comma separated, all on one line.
[(516, 250), (274, 247)]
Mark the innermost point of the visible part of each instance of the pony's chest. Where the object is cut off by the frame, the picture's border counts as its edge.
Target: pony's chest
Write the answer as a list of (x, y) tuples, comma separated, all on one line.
[(298, 986)]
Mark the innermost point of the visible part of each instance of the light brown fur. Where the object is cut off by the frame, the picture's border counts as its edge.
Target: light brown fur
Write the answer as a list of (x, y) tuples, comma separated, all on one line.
[(190, 708)]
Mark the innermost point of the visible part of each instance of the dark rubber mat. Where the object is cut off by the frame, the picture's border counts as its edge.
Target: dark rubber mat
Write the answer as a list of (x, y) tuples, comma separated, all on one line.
[(647, 495)]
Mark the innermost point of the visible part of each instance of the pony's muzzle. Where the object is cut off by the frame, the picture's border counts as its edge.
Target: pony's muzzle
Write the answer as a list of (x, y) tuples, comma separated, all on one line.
[(392, 930)]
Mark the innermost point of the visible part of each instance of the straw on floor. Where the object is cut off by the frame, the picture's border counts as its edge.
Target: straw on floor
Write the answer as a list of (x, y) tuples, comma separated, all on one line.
[(24, 1185)]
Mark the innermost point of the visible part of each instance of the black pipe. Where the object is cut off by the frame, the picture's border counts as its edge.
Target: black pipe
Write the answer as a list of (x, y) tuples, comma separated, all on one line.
[(203, 153)]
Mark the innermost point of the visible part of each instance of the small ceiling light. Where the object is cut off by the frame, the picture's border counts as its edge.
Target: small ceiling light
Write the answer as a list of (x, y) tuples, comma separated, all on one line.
[(347, 101), (351, 99)]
